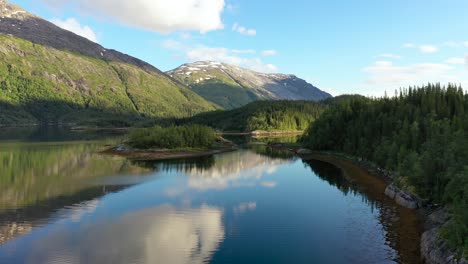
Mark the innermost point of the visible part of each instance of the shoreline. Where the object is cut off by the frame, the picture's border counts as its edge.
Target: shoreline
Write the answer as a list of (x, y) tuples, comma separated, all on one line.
[(433, 249), (163, 154)]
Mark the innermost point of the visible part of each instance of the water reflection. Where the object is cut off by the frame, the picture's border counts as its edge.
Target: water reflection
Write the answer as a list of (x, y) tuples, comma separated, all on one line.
[(32, 173), (162, 234), (241, 168), (67, 204), (55, 134), (37, 179), (401, 226)]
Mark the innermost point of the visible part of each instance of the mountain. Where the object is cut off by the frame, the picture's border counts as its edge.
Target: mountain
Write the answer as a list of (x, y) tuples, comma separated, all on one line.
[(51, 75), (230, 86)]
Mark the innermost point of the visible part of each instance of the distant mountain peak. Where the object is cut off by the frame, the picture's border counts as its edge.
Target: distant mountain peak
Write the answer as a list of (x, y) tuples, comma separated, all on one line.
[(232, 86), (8, 10)]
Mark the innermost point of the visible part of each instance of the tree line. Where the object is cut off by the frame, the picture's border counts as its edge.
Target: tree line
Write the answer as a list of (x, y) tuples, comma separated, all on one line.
[(173, 137), (263, 115), (421, 134)]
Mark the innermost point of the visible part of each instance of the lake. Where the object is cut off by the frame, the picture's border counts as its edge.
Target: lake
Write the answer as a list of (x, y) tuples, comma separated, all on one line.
[(63, 202)]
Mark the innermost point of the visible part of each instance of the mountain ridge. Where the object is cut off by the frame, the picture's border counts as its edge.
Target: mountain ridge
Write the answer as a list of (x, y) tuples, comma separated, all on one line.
[(231, 86), (18, 22), (51, 75)]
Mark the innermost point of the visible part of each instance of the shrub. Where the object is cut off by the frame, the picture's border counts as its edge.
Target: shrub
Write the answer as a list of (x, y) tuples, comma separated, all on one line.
[(192, 136)]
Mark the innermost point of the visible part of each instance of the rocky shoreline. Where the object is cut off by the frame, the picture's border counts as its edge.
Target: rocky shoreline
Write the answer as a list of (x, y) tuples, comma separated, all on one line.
[(433, 249)]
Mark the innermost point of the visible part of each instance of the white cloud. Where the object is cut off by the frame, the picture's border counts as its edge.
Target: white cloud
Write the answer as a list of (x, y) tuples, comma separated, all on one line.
[(185, 35), (202, 53), (428, 49), (269, 53), (243, 30), (389, 56), (409, 45), (71, 24), (455, 61), (386, 73), (246, 51), (172, 44), (155, 15), (231, 56), (452, 44)]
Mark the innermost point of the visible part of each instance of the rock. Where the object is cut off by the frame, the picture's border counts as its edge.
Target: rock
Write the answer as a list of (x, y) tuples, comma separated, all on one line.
[(391, 191), (304, 151), (435, 251), (401, 197), (406, 200)]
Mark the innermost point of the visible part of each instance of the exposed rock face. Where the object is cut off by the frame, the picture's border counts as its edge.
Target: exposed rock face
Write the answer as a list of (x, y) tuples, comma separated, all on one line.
[(17, 22), (433, 249), (401, 197), (212, 78)]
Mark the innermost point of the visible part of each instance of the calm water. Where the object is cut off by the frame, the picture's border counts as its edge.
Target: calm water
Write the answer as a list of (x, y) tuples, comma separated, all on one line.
[(61, 202)]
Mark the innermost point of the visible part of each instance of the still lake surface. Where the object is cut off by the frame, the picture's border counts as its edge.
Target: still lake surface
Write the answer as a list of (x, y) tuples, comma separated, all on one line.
[(62, 202)]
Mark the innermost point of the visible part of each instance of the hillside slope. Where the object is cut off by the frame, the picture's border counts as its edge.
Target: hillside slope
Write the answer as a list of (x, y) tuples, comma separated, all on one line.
[(50, 75), (230, 86), (264, 116)]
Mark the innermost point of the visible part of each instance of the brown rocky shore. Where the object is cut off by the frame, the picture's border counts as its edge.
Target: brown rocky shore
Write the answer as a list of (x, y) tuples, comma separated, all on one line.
[(434, 250)]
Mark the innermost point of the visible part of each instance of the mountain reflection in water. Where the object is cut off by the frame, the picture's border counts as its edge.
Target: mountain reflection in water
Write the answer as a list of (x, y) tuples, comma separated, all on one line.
[(64, 203)]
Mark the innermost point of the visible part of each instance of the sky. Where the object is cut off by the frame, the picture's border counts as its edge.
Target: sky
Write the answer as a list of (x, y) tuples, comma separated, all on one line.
[(369, 47)]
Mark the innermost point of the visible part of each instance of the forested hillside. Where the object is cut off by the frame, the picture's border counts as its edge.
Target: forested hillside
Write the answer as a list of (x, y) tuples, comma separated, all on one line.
[(422, 134), (263, 115), (39, 84)]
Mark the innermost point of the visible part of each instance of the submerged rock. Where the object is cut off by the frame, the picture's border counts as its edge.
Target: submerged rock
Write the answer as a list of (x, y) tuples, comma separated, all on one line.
[(401, 197)]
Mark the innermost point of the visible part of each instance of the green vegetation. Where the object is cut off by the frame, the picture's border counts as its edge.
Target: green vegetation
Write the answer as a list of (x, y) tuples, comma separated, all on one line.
[(263, 115), (422, 134), (174, 137), (219, 89), (36, 172), (39, 84)]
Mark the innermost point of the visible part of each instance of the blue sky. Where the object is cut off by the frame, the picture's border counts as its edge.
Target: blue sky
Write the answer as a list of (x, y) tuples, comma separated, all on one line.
[(359, 46)]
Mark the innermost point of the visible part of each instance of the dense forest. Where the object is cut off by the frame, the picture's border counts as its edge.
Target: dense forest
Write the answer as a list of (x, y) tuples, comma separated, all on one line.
[(193, 136), (263, 115), (420, 134)]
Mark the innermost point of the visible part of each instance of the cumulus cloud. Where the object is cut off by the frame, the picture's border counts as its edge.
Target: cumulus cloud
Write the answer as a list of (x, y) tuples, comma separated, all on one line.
[(455, 60), (155, 15), (389, 56), (202, 53), (428, 49), (243, 30), (246, 51), (386, 73), (409, 45), (71, 24), (269, 53), (242, 58), (422, 48)]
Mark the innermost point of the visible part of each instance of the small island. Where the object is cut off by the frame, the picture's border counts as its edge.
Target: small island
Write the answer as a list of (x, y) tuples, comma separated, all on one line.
[(162, 143)]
